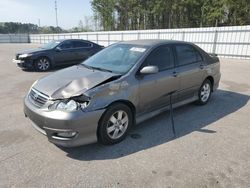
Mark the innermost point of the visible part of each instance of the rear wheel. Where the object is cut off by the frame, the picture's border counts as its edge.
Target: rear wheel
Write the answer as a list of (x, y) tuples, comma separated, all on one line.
[(115, 124), (42, 64), (205, 92)]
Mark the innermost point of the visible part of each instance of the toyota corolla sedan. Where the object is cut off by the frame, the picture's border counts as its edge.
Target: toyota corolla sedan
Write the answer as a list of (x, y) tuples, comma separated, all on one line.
[(56, 53), (102, 98)]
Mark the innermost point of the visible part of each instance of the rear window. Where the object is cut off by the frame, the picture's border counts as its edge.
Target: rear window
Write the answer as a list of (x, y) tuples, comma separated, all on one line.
[(187, 54)]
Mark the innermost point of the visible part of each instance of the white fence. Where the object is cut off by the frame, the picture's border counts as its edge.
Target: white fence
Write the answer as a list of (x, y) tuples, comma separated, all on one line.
[(14, 38), (225, 41)]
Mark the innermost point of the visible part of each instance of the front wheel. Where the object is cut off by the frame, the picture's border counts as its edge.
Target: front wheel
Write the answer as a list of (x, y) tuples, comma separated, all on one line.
[(115, 124), (42, 64), (205, 92)]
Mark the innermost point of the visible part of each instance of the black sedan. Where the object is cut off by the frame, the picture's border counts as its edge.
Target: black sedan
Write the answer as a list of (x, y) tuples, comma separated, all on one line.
[(56, 53)]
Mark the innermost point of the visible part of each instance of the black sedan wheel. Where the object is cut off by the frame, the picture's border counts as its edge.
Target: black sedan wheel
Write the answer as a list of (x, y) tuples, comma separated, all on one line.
[(115, 124), (42, 64)]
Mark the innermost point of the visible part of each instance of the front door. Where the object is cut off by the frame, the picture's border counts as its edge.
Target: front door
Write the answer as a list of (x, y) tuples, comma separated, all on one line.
[(154, 89), (66, 53)]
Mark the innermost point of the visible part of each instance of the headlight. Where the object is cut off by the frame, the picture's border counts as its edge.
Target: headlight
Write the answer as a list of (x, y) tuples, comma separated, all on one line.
[(24, 55), (68, 105)]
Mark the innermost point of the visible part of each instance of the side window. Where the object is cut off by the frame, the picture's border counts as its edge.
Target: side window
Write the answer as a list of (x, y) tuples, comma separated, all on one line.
[(66, 45), (80, 44), (187, 54), (162, 57)]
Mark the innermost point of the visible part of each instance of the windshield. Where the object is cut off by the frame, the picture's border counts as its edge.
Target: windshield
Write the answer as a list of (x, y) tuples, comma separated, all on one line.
[(118, 58), (51, 44)]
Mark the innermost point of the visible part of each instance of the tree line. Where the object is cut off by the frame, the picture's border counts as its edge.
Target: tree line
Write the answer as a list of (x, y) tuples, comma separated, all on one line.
[(161, 14), (15, 27)]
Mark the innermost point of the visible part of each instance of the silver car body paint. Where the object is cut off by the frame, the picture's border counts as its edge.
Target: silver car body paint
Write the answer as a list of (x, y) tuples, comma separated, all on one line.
[(148, 95)]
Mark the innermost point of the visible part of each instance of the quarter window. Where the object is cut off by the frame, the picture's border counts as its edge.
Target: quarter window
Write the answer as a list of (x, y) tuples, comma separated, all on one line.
[(187, 54), (162, 57)]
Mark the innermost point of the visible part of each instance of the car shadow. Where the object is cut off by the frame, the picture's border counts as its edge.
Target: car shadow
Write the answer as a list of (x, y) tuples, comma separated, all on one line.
[(157, 131)]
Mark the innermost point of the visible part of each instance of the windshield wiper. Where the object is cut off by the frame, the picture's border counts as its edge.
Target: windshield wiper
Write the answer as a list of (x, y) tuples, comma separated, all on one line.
[(96, 68), (102, 69), (87, 66)]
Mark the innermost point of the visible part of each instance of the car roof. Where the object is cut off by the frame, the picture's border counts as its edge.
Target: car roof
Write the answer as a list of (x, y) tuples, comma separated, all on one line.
[(62, 40), (153, 42)]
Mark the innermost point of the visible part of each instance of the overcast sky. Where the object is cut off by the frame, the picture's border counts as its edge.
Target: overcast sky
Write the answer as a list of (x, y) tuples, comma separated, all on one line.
[(29, 11)]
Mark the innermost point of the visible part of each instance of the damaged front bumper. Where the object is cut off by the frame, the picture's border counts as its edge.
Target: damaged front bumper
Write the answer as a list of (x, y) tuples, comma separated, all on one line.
[(66, 129)]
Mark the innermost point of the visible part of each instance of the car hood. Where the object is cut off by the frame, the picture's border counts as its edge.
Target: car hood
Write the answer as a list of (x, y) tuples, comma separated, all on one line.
[(72, 81), (31, 51)]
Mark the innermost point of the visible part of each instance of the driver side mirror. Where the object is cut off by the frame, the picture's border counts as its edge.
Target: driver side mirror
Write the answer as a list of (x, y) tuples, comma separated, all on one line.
[(149, 70), (58, 49)]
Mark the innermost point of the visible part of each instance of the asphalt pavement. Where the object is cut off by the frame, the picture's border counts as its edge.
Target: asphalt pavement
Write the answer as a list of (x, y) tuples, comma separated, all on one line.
[(212, 148)]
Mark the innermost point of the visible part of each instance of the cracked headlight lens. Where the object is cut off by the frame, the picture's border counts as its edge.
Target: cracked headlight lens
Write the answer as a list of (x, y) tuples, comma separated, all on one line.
[(68, 105)]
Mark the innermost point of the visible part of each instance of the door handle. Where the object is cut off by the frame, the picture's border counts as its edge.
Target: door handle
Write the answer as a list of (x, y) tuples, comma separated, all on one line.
[(175, 74)]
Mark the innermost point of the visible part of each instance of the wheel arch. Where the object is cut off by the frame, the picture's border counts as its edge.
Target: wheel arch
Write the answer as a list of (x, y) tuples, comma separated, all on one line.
[(125, 102), (211, 79)]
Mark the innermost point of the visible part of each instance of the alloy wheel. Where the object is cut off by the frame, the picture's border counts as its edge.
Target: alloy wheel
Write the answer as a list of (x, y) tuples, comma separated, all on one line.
[(43, 64), (205, 92), (117, 124)]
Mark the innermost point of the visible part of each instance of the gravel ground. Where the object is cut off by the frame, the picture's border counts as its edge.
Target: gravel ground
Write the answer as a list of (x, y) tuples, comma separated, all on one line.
[(212, 148)]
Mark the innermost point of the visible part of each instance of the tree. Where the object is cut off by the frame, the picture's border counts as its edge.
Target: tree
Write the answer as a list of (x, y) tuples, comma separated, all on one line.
[(105, 11), (155, 14)]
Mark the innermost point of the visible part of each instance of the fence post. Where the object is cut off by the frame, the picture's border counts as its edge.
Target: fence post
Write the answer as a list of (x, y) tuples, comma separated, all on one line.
[(97, 38), (215, 41), (138, 35), (183, 35), (10, 38), (87, 35), (122, 36), (159, 34), (108, 39)]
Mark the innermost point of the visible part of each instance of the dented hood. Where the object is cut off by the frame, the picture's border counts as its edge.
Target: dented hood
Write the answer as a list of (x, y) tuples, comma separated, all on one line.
[(71, 81)]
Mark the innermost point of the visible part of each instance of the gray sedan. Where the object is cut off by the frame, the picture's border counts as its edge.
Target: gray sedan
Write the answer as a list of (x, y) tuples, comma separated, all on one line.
[(126, 83)]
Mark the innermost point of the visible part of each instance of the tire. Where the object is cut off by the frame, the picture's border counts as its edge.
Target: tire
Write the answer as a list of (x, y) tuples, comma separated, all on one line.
[(205, 92), (42, 64), (115, 124)]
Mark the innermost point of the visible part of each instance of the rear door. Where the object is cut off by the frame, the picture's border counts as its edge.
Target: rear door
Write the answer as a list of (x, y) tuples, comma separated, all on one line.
[(154, 89), (190, 69), (82, 49)]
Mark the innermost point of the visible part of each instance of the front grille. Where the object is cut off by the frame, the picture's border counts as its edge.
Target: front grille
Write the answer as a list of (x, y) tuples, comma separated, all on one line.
[(37, 98)]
